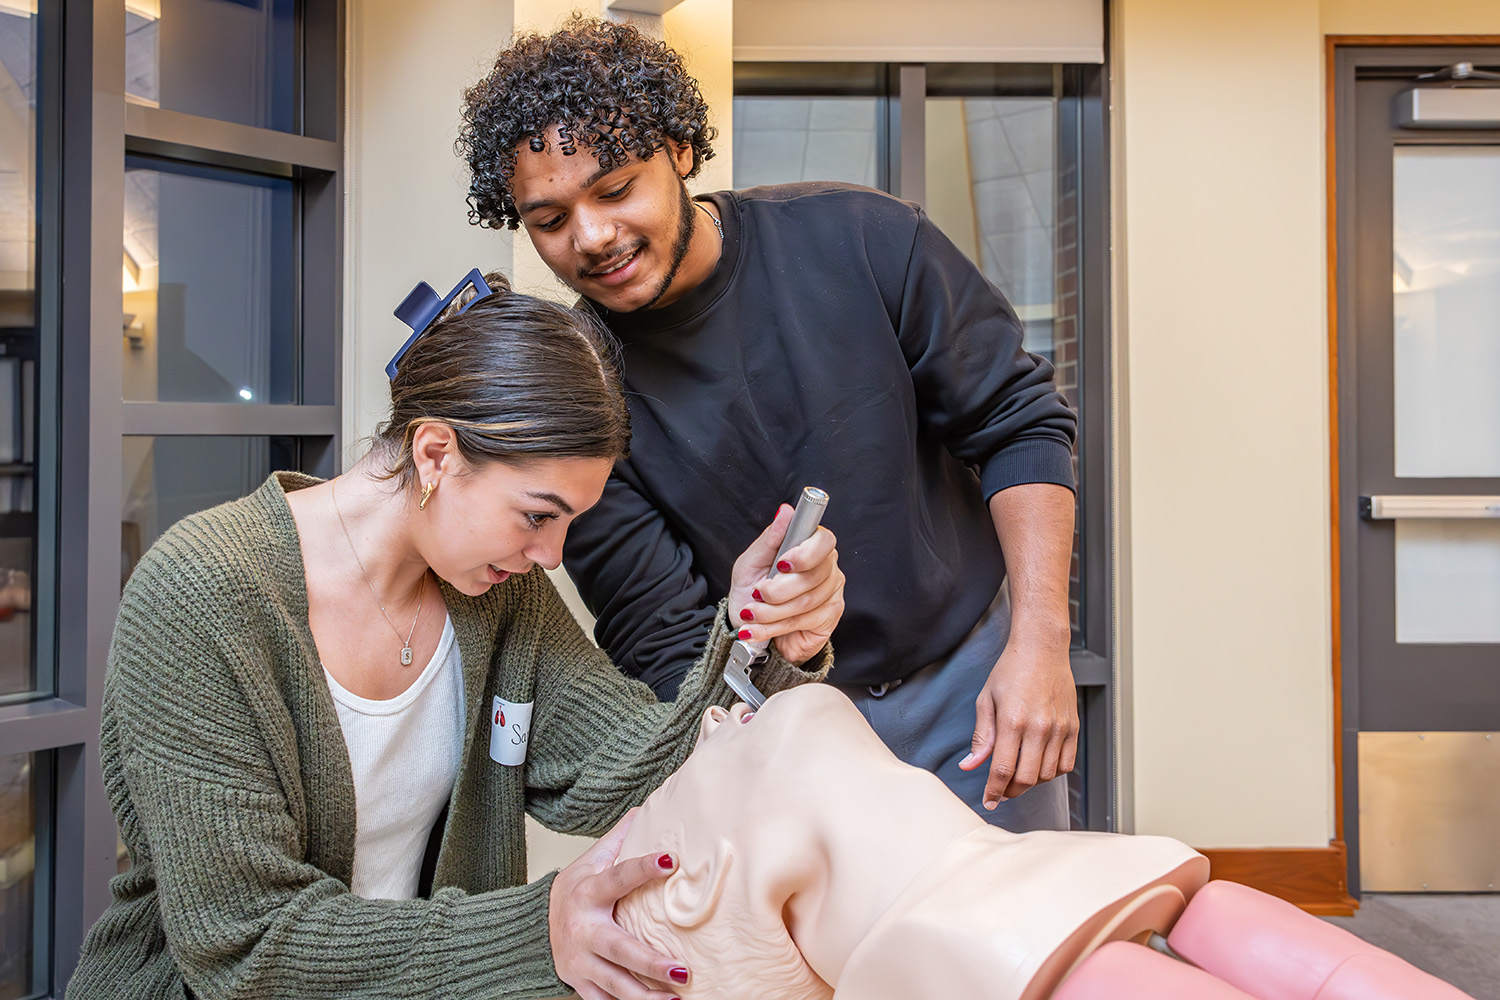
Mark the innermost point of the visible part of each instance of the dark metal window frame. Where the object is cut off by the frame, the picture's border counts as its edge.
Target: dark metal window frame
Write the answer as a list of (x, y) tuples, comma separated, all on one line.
[(901, 167), (85, 128)]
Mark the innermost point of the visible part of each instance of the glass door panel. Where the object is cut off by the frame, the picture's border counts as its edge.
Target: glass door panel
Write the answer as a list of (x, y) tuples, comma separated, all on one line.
[(1448, 582), (1446, 284)]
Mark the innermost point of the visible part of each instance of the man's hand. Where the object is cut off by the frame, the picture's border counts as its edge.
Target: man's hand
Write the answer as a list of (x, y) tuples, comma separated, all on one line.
[(1025, 720), (1026, 717)]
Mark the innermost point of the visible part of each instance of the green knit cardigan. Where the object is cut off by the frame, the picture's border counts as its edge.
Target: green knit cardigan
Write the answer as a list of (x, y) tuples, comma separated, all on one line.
[(227, 772)]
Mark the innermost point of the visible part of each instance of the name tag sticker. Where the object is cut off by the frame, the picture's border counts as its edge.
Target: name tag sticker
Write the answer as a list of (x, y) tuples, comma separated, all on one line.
[(510, 728)]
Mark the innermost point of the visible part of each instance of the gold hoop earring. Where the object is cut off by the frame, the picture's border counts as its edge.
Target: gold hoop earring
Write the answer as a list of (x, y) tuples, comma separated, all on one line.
[(427, 489)]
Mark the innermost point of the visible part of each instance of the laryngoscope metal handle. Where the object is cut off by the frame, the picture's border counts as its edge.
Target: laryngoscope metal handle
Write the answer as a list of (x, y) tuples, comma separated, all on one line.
[(805, 519)]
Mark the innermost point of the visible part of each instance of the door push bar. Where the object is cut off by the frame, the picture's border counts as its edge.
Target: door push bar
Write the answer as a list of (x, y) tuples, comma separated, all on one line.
[(1391, 508)]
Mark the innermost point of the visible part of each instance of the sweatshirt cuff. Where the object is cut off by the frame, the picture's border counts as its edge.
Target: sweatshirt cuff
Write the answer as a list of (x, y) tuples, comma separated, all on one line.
[(1029, 460)]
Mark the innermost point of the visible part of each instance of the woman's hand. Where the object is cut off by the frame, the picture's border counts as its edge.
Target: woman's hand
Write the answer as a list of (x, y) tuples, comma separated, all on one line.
[(592, 953), (799, 606)]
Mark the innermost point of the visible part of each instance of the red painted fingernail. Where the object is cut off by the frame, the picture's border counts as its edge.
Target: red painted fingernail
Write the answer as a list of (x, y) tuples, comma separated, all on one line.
[(747, 615), (784, 566), (678, 974), (744, 634), (756, 594), (665, 861)]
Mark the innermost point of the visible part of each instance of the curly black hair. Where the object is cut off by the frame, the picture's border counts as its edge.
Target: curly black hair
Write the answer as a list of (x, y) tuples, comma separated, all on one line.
[(605, 85)]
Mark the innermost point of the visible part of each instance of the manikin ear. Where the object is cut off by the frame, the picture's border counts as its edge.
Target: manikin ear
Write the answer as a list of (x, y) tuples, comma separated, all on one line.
[(434, 451), (692, 892)]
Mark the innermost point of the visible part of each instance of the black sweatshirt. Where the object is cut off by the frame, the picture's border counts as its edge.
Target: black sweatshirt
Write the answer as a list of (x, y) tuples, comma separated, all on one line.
[(842, 342)]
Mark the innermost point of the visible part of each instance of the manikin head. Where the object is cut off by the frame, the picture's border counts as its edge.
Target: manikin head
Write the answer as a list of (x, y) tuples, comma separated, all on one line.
[(754, 817), (811, 860)]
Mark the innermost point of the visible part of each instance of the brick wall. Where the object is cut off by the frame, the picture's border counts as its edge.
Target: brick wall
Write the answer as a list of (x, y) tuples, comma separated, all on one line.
[(1065, 328)]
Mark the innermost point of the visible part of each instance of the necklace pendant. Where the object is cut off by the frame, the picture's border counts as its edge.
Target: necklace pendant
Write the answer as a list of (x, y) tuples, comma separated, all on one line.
[(406, 656)]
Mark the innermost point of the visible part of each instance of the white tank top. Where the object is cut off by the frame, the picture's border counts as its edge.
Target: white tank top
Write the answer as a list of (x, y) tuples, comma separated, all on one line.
[(404, 752)]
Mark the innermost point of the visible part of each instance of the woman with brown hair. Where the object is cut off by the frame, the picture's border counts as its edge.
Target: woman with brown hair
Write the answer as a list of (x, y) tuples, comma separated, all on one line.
[(331, 704)]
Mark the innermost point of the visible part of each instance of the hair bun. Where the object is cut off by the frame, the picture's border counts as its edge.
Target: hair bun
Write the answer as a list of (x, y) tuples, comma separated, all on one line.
[(498, 283)]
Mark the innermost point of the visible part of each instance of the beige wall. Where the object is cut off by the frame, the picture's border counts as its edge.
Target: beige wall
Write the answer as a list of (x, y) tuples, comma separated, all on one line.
[(703, 31), (1401, 17), (406, 216), (1222, 305), (932, 31), (1221, 253)]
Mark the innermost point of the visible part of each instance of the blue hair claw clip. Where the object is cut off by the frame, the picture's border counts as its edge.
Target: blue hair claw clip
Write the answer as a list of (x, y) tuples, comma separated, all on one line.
[(422, 305)]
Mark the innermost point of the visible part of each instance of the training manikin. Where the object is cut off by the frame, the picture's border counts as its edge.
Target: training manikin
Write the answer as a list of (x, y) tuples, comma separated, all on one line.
[(813, 863)]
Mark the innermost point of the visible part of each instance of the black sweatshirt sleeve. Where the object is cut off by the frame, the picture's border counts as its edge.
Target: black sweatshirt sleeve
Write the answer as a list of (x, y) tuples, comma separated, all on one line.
[(652, 609), (994, 405)]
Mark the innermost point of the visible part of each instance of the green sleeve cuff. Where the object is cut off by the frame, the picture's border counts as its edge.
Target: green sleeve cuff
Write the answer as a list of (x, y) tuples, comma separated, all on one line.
[(777, 673)]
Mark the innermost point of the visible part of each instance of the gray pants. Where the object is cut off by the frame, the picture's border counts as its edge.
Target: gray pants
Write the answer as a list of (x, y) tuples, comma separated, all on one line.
[(927, 720)]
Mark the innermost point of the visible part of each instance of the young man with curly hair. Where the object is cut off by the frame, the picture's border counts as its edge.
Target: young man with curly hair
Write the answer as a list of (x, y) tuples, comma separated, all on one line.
[(807, 334)]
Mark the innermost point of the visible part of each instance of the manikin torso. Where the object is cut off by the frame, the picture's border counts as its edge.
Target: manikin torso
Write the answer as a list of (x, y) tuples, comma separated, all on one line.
[(799, 834)]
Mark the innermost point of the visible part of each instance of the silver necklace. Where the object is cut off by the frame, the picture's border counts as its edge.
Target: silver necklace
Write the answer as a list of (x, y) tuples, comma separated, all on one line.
[(333, 491), (712, 218)]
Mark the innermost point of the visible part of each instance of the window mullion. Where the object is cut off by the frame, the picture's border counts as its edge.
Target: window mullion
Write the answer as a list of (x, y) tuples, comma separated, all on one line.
[(909, 138), (175, 135)]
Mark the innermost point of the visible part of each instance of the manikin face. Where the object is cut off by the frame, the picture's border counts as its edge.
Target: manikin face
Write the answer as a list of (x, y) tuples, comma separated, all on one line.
[(484, 524), (624, 237), (721, 910), (808, 855), (748, 816)]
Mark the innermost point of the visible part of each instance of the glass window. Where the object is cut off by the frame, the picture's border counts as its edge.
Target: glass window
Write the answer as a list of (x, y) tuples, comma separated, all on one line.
[(1011, 154), (210, 280), (168, 478), (992, 188), (18, 814), (996, 188), (18, 348), (779, 140), (808, 122), (233, 60), (229, 300)]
